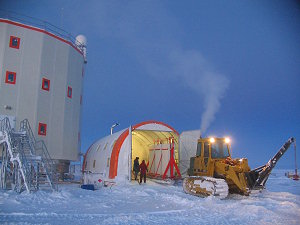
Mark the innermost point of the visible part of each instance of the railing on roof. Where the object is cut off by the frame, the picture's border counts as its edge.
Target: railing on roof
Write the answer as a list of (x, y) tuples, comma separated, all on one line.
[(41, 24)]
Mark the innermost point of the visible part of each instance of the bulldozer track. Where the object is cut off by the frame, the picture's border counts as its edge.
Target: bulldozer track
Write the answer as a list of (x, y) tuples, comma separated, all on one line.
[(205, 186)]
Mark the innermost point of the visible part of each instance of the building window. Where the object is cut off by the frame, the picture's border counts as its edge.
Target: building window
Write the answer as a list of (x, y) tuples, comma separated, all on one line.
[(14, 42), (94, 164), (42, 129), (46, 84), (10, 77), (80, 99), (69, 92), (78, 136)]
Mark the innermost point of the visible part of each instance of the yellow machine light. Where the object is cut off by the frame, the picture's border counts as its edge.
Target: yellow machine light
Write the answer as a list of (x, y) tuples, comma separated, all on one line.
[(212, 140), (227, 140)]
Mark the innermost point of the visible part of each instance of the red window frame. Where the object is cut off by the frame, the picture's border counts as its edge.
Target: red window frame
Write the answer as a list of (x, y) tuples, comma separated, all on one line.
[(69, 92), (7, 75), (40, 132), (44, 86), (11, 42)]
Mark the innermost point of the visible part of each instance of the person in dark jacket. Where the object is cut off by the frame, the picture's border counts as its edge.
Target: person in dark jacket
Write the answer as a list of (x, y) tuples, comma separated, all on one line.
[(143, 169), (136, 167)]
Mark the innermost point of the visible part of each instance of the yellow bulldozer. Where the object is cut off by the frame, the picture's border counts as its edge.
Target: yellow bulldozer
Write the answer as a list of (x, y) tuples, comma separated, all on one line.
[(213, 172)]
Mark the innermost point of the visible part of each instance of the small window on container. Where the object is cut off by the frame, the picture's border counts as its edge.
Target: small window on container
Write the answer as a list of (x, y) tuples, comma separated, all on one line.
[(108, 162), (10, 77), (42, 129), (69, 92), (98, 148), (46, 84), (105, 146), (14, 42)]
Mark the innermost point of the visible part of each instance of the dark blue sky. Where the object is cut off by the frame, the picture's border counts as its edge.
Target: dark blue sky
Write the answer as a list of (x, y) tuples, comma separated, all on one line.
[(159, 59)]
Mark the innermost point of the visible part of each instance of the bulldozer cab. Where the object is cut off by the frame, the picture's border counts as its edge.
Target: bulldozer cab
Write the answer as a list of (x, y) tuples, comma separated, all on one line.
[(208, 151), (214, 148)]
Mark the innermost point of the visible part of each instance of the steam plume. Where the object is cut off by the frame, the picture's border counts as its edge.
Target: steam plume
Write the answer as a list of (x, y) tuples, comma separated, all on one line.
[(212, 99), (200, 76)]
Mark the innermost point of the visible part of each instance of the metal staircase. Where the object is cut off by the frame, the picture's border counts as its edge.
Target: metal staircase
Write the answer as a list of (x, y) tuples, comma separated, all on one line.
[(26, 163)]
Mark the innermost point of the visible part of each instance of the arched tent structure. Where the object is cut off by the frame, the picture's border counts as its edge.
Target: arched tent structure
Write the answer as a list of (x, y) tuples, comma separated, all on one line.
[(111, 158)]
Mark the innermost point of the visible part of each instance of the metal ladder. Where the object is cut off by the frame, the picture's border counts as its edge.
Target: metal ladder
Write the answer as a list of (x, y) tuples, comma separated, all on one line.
[(26, 163)]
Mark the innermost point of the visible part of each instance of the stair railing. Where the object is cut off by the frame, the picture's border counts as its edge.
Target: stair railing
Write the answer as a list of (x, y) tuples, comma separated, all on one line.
[(25, 126), (5, 125), (16, 151), (41, 150), (26, 166), (48, 163)]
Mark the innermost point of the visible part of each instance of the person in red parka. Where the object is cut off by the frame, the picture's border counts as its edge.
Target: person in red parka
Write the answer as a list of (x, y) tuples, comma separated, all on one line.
[(143, 169)]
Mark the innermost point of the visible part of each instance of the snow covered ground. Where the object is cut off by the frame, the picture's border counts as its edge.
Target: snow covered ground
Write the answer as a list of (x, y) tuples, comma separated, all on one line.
[(152, 204)]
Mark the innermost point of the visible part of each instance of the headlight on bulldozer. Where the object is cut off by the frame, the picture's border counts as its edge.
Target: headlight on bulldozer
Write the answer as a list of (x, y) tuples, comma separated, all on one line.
[(227, 140)]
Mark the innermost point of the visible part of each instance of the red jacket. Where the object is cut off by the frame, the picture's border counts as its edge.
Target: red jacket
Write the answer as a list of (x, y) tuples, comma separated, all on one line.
[(143, 168)]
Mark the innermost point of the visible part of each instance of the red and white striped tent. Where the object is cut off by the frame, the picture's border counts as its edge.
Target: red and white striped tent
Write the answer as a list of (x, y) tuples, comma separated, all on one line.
[(111, 158)]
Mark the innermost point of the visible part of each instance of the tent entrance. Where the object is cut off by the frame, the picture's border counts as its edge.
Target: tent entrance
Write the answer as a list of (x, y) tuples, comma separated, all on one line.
[(159, 149)]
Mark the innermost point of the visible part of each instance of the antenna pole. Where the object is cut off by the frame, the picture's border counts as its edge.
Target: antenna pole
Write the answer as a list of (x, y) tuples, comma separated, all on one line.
[(296, 175)]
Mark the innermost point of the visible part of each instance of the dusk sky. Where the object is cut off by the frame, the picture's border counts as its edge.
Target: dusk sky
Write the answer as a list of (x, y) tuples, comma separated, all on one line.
[(232, 67)]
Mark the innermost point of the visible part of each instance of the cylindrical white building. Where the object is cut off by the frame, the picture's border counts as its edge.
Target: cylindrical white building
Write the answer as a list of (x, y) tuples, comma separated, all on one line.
[(41, 77)]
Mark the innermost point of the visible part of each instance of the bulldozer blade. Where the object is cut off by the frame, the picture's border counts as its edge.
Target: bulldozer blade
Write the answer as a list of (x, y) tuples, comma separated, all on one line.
[(258, 177)]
